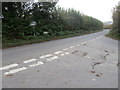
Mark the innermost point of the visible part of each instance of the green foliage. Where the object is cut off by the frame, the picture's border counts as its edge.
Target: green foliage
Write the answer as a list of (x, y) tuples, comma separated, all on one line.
[(115, 32), (55, 20)]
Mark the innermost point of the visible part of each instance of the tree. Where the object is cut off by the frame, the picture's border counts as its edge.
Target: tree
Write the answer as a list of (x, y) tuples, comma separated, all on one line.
[(13, 21), (115, 32), (19, 15)]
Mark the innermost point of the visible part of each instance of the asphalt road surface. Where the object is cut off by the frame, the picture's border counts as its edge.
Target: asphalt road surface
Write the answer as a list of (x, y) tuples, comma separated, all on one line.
[(88, 61)]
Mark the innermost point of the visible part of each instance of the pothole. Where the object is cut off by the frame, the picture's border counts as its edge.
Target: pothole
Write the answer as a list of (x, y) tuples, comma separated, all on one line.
[(79, 53)]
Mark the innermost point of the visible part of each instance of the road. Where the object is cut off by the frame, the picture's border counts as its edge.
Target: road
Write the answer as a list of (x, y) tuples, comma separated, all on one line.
[(88, 61)]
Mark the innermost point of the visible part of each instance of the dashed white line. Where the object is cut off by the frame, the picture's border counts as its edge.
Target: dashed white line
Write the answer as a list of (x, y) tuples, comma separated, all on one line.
[(95, 38), (62, 54), (88, 56), (48, 55), (48, 59), (67, 53), (99, 37), (30, 60), (65, 49), (58, 52), (36, 64), (52, 58), (15, 70), (40, 62), (44, 56), (72, 46), (55, 57), (9, 66)]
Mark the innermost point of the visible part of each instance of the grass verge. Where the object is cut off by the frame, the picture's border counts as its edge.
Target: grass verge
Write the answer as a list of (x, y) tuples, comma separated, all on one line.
[(114, 34), (19, 42)]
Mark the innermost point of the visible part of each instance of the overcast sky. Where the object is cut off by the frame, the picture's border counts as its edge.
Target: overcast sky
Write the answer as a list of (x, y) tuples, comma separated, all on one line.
[(100, 9)]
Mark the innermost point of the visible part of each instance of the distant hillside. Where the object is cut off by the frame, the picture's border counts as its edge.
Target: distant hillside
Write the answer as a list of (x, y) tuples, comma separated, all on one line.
[(107, 25)]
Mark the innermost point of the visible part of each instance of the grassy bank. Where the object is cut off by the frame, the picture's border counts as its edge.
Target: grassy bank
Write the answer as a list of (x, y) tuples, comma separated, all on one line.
[(114, 34), (7, 43)]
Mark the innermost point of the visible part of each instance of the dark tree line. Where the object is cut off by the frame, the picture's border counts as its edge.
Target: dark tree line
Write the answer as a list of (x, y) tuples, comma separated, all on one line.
[(57, 21)]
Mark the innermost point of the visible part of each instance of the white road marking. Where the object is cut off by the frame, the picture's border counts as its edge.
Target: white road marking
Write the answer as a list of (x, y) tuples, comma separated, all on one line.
[(98, 37), (95, 38), (8, 66), (72, 46), (49, 58), (44, 56), (15, 70), (30, 60), (67, 53), (62, 54), (49, 55), (58, 52), (52, 58), (36, 64), (93, 79), (88, 57), (65, 49)]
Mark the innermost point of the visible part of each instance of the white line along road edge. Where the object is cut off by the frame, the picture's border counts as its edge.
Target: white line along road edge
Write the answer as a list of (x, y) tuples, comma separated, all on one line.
[(30, 60), (52, 58), (15, 70), (58, 52), (65, 49), (44, 56), (36, 64), (9, 66)]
